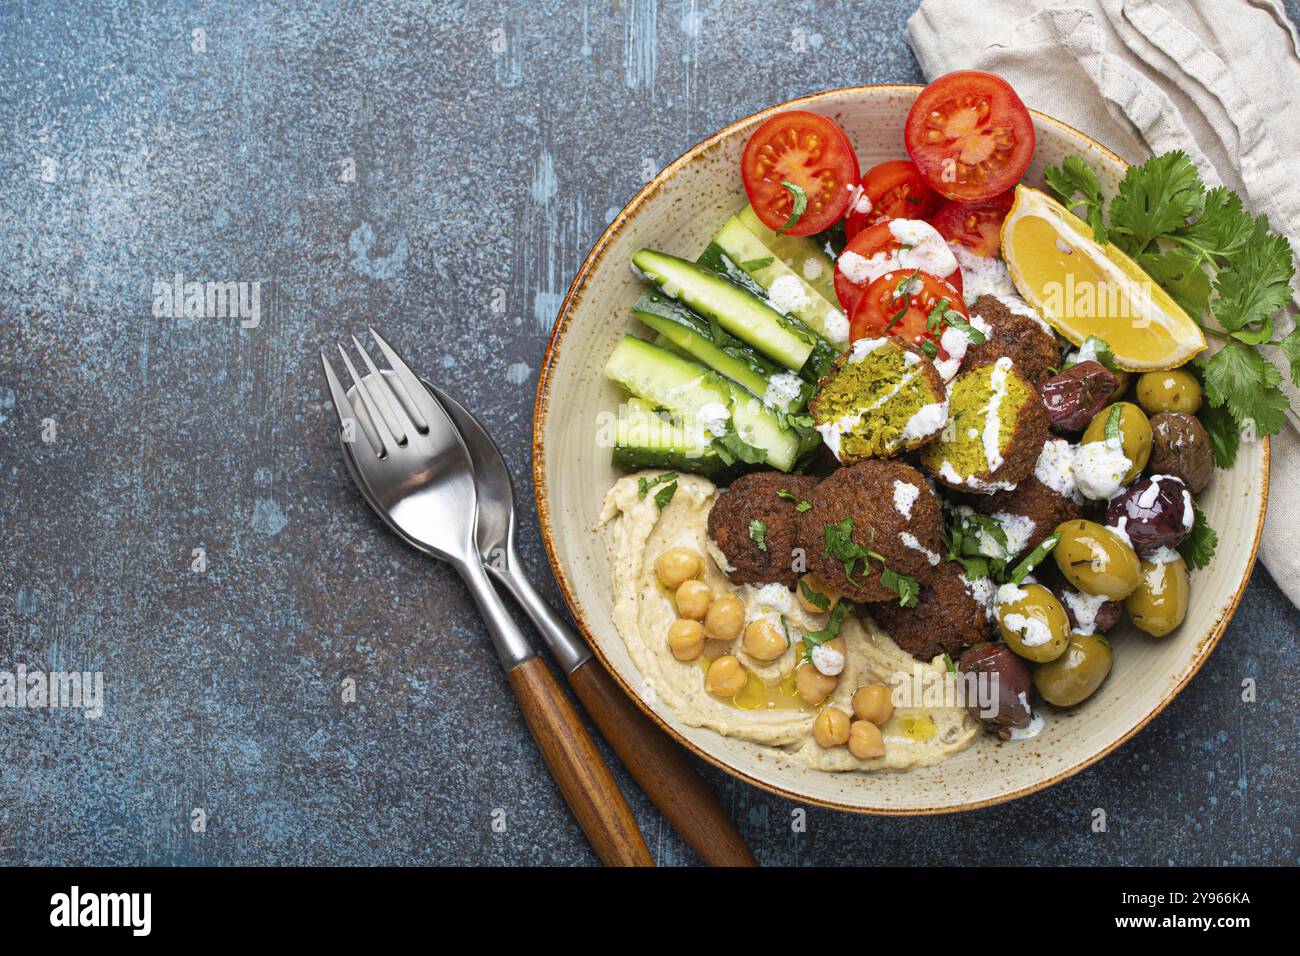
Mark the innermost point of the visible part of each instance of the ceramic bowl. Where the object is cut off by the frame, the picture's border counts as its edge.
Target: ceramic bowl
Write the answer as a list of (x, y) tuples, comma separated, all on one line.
[(678, 211)]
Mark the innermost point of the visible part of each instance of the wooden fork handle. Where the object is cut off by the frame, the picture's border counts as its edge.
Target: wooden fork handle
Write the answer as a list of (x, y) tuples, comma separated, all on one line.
[(579, 770), (661, 768)]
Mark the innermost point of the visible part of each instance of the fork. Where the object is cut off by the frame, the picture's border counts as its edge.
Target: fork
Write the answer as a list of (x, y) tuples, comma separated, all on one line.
[(419, 479)]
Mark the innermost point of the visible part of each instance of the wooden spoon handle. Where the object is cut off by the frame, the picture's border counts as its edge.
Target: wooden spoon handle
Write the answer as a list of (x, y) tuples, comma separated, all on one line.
[(575, 763), (661, 768)]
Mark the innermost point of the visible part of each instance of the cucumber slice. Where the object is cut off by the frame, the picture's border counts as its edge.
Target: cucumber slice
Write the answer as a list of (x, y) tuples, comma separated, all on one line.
[(744, 315), (767, 269), (722, 265), (686, 333), (704, 404), (796, 252), (645, 440)]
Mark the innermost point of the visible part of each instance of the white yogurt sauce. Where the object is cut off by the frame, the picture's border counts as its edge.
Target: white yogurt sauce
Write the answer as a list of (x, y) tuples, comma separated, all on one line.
[(905, 495), (911, 541), (1084, 607), (1055, 469), (787, 294), (783, 389), (922, 248), (992, 424), (1100, 468)]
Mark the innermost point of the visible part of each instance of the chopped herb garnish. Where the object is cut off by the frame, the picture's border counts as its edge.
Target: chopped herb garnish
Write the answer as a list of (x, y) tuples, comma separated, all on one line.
[(758, 533), (815, 598), (665, 494), (1198, 547), (643, 485), (831, 631), (800, 504), (841, 546), (1113, 422), (947, 662), (1034, 558), (753, 265), (800, 205), (904, 585)]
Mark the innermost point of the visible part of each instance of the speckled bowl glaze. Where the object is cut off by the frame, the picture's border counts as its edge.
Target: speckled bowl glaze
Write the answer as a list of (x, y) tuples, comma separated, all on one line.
[(678, 211)]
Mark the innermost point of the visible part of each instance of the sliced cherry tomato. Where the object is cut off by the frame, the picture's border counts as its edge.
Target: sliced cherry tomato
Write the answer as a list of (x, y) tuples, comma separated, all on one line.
[(969, 135), (975, 225), (879, 240), (809, 151), (892, 190), (899, 304)]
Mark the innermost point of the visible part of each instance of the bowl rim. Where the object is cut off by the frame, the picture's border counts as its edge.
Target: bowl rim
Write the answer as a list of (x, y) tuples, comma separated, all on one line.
[(541, 407)]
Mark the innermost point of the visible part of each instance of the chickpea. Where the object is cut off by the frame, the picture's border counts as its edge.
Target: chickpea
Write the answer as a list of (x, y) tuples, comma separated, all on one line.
[(676, 566), (725, 618), (831, 728), (866, 740), (726, 677), (764, 639), (686, 639), (693, 600), (812, 685), (817, 586), (874, 703)]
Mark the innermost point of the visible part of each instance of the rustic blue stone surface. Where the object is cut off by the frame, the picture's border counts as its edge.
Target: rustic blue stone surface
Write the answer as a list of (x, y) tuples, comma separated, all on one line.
[(491, 143)]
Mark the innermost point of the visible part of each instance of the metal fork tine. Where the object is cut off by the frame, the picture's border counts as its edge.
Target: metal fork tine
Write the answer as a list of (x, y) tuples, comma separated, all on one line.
[(382, 392), (386, 439), (415, 389), (343, 409)]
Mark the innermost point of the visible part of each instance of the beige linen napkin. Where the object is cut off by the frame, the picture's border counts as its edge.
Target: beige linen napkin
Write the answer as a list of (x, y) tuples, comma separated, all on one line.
[(1216, 78)]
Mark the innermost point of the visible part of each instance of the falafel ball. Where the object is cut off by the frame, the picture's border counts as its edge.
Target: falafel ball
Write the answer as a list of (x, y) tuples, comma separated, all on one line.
[(947, 617), (1041, 508), (891, 510), (762, 552), (1028, 341)]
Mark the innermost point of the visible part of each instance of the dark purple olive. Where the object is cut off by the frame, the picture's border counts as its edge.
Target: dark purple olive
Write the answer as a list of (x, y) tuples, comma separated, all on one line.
[(1008, 696), (1181, 447), (1105, 616), (1074, 396), (1155, 513)]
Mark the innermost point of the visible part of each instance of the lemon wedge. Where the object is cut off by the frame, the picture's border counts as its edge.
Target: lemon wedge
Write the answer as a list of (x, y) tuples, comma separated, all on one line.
[(1084, 288)]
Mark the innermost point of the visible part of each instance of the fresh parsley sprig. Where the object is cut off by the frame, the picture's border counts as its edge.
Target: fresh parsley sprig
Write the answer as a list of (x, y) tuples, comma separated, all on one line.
[(798, 207), (1220, 263)]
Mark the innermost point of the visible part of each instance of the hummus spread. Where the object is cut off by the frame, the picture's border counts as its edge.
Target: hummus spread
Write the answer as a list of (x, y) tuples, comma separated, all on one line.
[(768, 710)]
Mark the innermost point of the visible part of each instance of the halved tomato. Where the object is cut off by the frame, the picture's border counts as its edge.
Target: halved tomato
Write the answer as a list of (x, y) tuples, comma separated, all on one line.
[(878, 249), (892, 190), (969, 135), (808, 151), (899, 304), (975, 225)]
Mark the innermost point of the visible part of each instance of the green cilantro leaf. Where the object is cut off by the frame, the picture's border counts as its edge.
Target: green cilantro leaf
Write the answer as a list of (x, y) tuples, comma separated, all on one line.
[(1291, 349), (758, 533), (1224, 437), (1074, 176), (800, 205), (665, 494), (815, 598), (1221, 229), (1034, 558), (1248, 383), (643, 485), (731, 448), (831, 631), (1257, 281), (1155, 198), (947, 662), (905, 586), (1198, 547), (800, 505), (753, 265), (1180, 272)]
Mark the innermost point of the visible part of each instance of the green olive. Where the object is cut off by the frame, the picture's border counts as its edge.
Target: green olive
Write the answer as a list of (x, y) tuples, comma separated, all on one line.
[(1096, 560), (1135, 435), (1077, 673), (1160, 602), (1176, 390), (1033, 622)]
